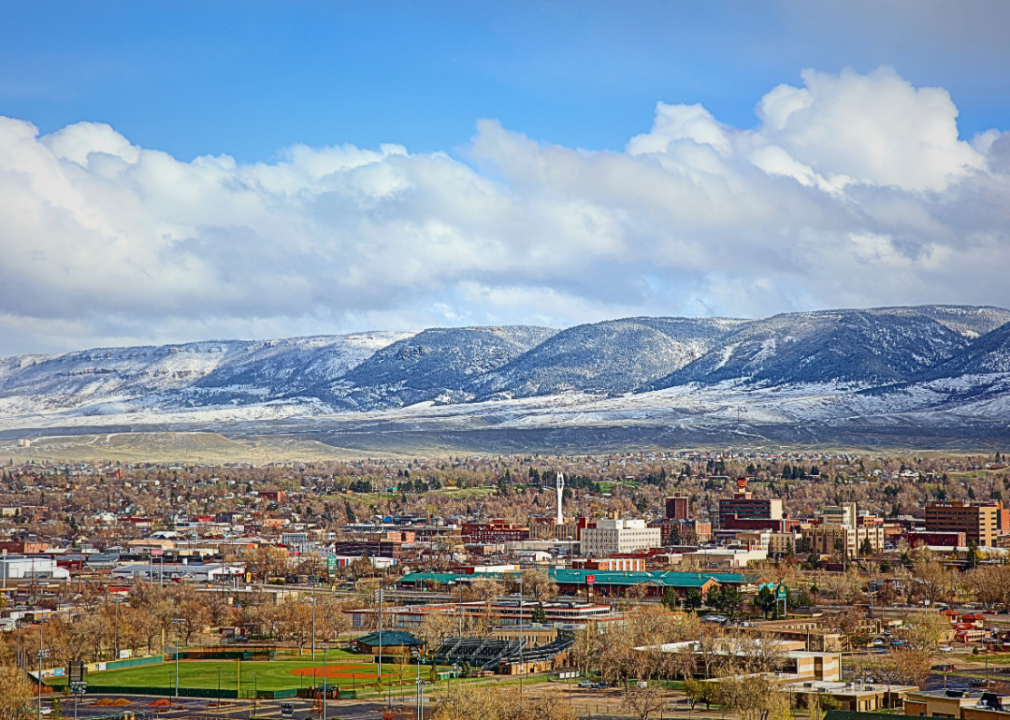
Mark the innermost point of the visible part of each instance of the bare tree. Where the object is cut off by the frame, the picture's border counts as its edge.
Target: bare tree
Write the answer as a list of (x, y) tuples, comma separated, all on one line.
[(643, 702)]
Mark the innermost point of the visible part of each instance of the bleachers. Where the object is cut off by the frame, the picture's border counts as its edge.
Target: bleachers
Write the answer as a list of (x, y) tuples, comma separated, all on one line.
[(487, 654)]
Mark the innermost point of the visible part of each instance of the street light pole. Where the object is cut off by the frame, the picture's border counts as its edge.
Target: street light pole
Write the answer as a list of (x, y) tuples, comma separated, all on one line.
[(313, 614)]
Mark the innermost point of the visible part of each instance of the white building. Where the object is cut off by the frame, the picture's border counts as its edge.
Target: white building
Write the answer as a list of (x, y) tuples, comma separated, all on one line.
[(182, 571), (618, 536), (728, 557), (17, 567)]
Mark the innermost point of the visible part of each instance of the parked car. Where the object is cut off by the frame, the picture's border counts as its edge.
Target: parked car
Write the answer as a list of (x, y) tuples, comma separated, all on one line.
[(946, 649), (586, 684), (287, 710)]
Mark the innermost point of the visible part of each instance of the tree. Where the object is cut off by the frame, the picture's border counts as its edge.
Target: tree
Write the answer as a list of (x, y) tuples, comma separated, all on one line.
[(670, 599), (766, 601), (705, 692), (935, 580), (726, 599), (693, 599), (436, 627), (539, 585), (586, 650), (502, 703), (974, 558), (753, 697), (866, 548), (539, 616), (643, 702), (15, 694)]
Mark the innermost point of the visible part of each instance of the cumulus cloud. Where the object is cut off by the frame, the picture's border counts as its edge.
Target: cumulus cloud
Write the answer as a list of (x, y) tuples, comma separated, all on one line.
[(853, 190)]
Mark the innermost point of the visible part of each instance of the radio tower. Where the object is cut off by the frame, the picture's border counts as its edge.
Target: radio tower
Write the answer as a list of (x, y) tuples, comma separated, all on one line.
[(561, 490)]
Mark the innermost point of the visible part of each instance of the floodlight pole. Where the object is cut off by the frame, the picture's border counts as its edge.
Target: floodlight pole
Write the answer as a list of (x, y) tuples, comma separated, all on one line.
[(313, 616), (325, 690), (177, 622), (521, 666), (41, 654), (379, 597)]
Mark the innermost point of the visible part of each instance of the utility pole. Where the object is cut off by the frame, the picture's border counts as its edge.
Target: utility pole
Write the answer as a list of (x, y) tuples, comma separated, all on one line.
[(313, 615)]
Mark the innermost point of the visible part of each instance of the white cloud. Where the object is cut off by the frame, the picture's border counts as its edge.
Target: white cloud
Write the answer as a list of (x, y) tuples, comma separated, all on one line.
[(853, 190)]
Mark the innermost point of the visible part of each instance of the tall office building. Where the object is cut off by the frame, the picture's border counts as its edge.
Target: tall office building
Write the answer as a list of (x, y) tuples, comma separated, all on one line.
[(979, 522), (744, 506), (678, 508)]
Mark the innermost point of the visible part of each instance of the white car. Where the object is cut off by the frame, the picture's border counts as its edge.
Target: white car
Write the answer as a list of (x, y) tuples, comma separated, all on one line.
[(946, 649)]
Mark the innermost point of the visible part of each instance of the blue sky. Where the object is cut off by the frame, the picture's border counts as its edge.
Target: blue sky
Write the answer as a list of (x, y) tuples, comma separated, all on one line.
[(176, 171), (250, 78)]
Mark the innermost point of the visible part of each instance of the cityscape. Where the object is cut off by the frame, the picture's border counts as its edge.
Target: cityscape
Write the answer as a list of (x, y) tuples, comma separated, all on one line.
[(665, 583), (504, 360)]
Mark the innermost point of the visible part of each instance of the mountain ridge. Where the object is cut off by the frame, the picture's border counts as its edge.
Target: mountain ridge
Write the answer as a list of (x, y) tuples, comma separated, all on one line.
[(832, 367)]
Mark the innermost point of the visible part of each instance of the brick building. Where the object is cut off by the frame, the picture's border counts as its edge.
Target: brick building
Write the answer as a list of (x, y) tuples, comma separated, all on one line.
[(980, 522)]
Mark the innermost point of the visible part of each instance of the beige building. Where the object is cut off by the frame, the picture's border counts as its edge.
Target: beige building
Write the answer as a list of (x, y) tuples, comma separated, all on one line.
[(823, 538), (938, 703), (618, 536)]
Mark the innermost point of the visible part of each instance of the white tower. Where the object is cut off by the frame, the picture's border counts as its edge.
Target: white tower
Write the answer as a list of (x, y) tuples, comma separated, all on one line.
[(561, 490)]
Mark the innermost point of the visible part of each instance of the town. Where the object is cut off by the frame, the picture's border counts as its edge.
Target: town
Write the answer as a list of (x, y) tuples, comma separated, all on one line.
[(751, 584)]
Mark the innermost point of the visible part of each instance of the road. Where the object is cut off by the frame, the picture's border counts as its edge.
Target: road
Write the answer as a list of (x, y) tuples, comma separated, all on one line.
[(141, 706)]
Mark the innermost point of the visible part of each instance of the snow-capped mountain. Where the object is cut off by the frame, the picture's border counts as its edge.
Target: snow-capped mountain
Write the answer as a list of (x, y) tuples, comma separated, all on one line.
[(615, 356), (933, 370), (865, 347), (437, 364)]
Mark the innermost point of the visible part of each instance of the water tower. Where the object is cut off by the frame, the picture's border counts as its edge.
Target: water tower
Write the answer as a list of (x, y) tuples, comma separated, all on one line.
[(561, 490)]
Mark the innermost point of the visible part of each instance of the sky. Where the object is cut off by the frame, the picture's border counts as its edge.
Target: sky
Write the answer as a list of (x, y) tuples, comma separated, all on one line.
[(177, 171)]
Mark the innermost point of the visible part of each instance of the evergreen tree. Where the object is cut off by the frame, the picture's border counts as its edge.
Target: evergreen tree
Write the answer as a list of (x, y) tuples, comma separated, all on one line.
[(693, 599), (670, 599)]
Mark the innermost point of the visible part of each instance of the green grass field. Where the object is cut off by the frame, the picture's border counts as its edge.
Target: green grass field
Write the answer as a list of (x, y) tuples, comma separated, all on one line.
[(263, 675)]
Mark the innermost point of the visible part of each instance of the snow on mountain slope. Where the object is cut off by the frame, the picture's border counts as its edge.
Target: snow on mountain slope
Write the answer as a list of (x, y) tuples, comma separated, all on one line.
[(885, 368), (615, 356), (436, 364), (861, 347), (106, 381)]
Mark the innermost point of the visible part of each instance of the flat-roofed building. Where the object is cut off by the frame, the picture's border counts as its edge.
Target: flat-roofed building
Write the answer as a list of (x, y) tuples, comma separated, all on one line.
[(618, 536), (978, 521)]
